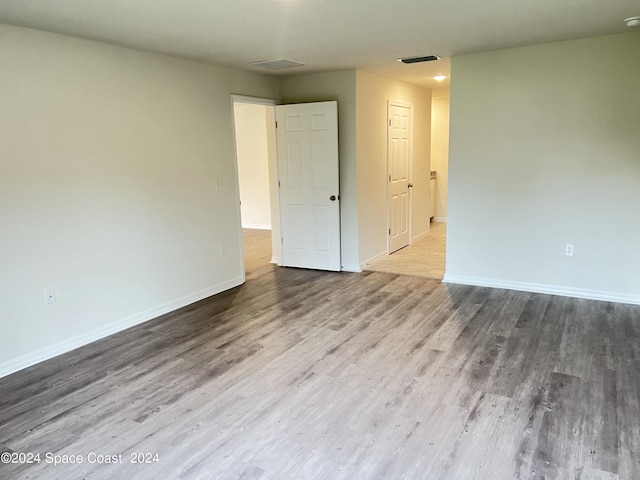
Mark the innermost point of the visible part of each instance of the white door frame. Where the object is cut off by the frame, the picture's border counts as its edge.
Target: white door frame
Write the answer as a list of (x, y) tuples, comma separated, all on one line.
[(273, 176), (396, 103)]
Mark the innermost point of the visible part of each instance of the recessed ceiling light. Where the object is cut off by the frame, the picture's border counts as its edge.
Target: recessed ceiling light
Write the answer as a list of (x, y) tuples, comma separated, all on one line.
[(632, 21), (423, 58), (439, 78)]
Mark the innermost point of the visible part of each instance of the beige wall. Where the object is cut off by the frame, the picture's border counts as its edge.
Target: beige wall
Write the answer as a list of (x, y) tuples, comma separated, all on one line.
[(253, 164), (440, 153), (340, 86), (373, 92), (101, 200), (545, 145), (110, 159)]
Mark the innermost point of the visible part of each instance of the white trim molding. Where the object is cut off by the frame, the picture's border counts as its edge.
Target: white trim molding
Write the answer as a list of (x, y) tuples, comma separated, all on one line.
[(40, 355), (351, 267), (544, 288), (254, 100), (419, 237), (440, 219), (373, 259)]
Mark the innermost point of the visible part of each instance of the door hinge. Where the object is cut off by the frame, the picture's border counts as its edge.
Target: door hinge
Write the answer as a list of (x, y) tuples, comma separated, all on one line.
[(282, 240), (389, 122), (389, 231), (278, 183), (389, 177), (276, 124)]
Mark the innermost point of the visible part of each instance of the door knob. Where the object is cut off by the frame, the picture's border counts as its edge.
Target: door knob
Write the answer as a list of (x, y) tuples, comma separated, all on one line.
[(332, 198), (410, 185)]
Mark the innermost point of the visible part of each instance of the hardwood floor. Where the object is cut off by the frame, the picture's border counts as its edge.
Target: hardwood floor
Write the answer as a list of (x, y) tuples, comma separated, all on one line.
[(423, 258), (256, 245), (312, 375)]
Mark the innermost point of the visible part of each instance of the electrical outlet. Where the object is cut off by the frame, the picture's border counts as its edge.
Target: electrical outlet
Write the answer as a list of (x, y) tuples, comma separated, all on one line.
[(50, 296), (223, 251), (218, 185), (568, 250)]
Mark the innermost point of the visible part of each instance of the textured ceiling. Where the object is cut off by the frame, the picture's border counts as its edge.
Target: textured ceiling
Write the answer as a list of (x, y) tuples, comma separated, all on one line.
[(324, 34)]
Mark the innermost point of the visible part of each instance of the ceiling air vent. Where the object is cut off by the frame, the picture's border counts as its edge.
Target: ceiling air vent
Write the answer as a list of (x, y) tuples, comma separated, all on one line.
[(278, 64), (427, 58)]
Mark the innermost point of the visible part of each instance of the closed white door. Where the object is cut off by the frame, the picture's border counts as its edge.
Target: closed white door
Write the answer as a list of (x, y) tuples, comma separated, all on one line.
[(399, 163), (307, 141)]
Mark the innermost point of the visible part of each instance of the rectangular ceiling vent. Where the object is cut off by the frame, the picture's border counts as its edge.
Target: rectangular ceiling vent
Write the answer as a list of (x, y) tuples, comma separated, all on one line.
[(277, 64), (424, 58)]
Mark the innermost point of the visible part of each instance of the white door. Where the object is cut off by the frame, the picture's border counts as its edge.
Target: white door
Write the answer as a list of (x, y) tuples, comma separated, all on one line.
[(399, 160), (307, 141)]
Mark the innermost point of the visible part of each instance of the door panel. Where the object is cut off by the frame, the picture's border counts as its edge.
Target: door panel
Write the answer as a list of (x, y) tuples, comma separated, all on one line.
[(307, 139), (295, 167), (399, 162)]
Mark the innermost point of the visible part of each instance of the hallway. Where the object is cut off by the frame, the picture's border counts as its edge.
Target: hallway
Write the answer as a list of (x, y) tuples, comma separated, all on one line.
[(424, 258), (256, 245)]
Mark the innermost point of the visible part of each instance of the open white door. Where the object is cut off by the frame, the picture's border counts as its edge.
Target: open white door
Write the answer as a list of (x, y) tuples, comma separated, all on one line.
[(307, 141), (399, 158)]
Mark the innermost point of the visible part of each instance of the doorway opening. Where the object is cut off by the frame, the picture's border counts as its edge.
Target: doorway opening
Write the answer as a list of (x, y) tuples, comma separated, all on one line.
[(255, 151), (287, 184), (439, 177), (425, 256)]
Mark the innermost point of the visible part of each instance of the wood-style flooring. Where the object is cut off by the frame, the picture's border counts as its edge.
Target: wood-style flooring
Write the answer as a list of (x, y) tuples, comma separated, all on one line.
[(256, 245), (304, 374), (423, 258)]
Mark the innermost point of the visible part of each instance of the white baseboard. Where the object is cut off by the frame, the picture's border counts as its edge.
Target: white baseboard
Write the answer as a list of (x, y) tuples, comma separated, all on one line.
[(544, 288), (440, 219), (274, 260), (257, 226), (351, 267), (373, 259), (417, 238), (40, 355)]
